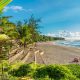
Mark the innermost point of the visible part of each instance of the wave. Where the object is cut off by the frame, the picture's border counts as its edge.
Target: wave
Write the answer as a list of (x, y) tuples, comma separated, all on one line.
[(69, 43)]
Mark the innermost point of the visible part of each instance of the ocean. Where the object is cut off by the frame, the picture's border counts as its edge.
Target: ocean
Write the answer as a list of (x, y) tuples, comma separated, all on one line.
[(69, 43)]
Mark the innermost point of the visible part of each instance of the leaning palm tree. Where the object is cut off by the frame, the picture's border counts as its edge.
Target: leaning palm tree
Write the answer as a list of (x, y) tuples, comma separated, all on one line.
[(23, 38), (23, 34), (27, 33)]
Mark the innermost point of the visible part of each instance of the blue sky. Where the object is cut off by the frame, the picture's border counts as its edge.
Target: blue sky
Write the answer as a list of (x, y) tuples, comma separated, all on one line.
[(56, 15)]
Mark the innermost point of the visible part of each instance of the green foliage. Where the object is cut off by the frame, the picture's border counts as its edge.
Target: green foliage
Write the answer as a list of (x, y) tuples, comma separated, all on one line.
[(27, 33), (7, 27), (47, 78), (48, 38), (24, 35), (75, 68), (33, 26), (6, 65), (4, 46), (3, 37), (5, 51), (40, 73), (8, 77), (43, 72), (6, 68), (23, 70), (16, 65), (56, 72), (3, 3), (59, 72)]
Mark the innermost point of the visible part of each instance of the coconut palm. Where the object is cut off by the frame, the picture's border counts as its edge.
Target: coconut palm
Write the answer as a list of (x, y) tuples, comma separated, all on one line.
[(33, 26), (23, 34), (6, 26)]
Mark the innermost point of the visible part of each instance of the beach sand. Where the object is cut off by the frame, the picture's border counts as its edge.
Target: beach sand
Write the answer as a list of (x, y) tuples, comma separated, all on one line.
[(55, 54), (48, 53)]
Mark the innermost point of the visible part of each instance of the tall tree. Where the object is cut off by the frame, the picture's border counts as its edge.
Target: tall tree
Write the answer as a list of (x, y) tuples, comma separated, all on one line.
[(33, 25), (6, 26), (23, 34)]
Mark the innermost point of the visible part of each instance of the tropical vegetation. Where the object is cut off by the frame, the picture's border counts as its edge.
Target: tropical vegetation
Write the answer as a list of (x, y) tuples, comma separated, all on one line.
[(16, 38), (21, 71)]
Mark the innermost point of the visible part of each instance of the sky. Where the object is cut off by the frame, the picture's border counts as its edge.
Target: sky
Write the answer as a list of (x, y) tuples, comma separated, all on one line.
[(55, 15)]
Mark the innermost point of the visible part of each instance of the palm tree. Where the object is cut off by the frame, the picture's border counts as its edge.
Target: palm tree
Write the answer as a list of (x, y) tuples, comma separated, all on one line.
[(23, 34), (7, 27), (33, 26)]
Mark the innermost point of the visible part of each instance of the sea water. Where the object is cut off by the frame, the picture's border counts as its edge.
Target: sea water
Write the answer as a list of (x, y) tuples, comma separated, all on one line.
[(69, 43)]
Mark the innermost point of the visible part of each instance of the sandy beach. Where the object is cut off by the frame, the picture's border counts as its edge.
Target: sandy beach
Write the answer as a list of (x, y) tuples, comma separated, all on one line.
[(55, 54), (47, 53)]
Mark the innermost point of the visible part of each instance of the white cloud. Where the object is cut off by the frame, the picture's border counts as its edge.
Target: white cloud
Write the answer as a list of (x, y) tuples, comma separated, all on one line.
[(65, 34), (6, 9), (16, 9), (52, 34)]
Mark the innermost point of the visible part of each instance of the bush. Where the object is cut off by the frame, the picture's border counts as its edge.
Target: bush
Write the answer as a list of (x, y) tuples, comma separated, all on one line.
[(56, 72), (23, 70), (59, 72), (40, 73), (50, 72), (75, 68)]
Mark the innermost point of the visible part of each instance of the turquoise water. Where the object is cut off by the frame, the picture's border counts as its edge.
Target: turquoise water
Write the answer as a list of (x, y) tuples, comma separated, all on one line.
[(69, 43)]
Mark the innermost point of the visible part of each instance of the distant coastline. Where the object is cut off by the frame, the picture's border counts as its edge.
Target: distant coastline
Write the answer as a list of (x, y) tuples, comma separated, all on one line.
[(66, 43)]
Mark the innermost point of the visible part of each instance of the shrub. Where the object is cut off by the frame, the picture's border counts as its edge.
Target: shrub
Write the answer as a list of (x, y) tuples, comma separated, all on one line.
[(50, 72), (56, 72), (59, 72), (23, 70), (75, 68), (40, 73)]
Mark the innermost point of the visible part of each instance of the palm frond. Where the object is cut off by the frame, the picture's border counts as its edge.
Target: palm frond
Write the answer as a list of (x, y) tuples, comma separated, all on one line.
[(3, 3)]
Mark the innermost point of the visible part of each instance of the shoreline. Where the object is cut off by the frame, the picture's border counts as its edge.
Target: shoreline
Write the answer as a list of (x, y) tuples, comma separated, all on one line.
[(58, 54), (55, 43)]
